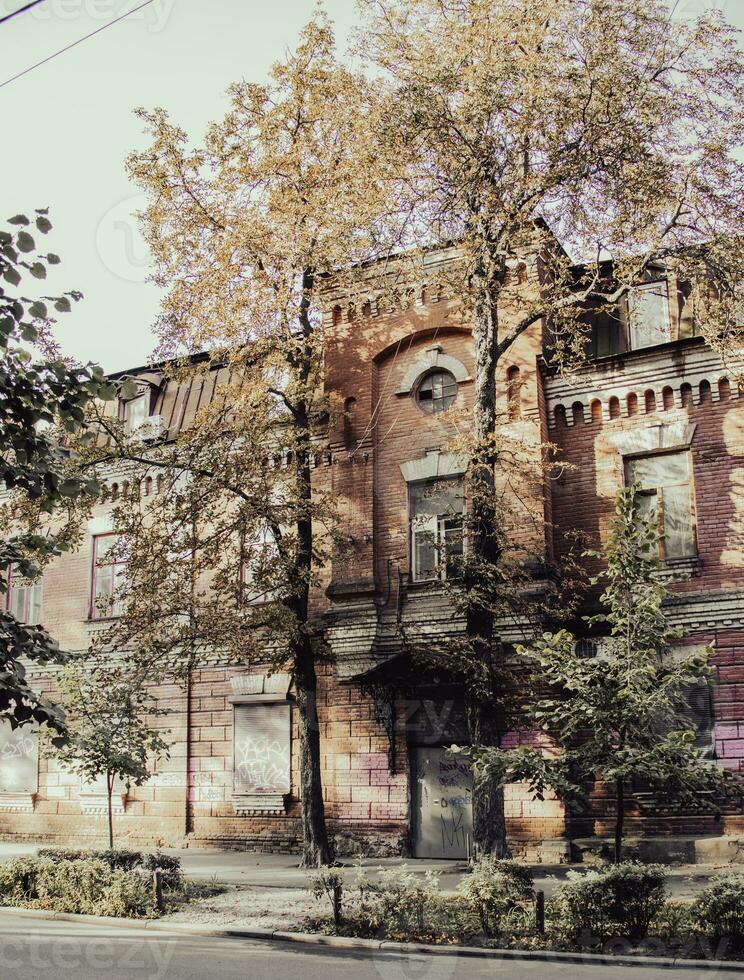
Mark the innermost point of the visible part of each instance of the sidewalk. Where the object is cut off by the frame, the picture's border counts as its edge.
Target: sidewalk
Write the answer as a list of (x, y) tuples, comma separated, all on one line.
[(250, 869)]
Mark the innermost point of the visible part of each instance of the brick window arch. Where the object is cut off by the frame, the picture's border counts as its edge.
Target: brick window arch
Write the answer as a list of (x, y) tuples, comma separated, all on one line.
[(514, 393)]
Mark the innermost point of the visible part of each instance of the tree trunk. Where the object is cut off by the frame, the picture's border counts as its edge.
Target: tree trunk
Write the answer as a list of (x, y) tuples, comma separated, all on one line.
[(316, 847), (489, 825), (109, 795), (619, 820)]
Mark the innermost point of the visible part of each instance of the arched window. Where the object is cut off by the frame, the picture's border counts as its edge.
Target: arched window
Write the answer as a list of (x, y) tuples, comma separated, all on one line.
[(705, 395), (596, 410), (560, 415), (724, 389), (686, 393), (632, 403), (578, 412), (336, 315), (650, 399), (614, 407), (668, 397), (436, 391), (148, 486), (514, 393), (114, 491)]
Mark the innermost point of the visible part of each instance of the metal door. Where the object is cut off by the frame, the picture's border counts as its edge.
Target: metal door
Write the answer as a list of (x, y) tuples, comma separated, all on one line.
[(442, 804)]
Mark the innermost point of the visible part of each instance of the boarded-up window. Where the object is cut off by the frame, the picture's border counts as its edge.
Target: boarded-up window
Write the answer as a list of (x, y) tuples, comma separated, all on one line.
[(262, 749), (19, 759), (648, 309), (667, 499), (699, 709)]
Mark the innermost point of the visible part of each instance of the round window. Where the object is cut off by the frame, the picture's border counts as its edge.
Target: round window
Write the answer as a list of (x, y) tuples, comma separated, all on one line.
[(436, 392)]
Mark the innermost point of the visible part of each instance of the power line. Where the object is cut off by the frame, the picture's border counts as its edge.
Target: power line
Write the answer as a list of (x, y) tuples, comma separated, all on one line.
[(21, 10), (75, 43)]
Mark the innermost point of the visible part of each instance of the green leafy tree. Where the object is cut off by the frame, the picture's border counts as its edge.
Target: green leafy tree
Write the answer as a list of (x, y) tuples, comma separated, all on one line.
[(43, 401), (110, 725), (620, 715)]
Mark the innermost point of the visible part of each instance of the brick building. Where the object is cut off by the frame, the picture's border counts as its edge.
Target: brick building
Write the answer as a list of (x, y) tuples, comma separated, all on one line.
[(653, 403)]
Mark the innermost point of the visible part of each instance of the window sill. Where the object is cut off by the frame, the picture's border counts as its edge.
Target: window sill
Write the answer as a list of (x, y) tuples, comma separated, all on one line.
[(255, 804), (96, 804), (102, 620), (680, 569), (17, 802), (669, 345)]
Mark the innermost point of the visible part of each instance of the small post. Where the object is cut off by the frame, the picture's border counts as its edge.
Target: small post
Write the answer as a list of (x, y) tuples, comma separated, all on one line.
[(157, 891), (540, 912)]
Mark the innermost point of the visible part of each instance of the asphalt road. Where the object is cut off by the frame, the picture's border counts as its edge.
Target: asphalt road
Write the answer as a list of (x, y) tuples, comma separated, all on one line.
[(68, 951)]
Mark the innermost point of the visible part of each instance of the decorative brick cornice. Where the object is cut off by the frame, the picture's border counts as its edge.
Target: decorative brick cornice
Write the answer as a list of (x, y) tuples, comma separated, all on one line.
[(670, 374), (704, 612)]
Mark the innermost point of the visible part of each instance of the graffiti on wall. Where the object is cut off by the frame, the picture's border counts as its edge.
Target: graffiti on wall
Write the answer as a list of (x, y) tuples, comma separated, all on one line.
[(262, 764)]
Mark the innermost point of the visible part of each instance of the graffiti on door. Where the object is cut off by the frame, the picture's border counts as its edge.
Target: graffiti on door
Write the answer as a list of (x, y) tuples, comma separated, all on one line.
[(455, 800)]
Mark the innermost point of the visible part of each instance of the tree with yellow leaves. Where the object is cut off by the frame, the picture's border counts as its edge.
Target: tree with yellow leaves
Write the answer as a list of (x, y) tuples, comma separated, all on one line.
[(246, 231), (599, 124)]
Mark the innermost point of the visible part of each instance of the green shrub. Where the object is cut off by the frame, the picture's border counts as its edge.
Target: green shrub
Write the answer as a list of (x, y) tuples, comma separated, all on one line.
[(19, 880), (398, 906), (403, 906), (617, 901), (119, 859), (719, 910), (329, 883), (495, 891), (169, 868), (123, 860), (91, 887), (64, 854)]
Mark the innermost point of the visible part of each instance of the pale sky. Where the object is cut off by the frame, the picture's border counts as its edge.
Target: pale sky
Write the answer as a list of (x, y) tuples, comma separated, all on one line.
[(68, 125)]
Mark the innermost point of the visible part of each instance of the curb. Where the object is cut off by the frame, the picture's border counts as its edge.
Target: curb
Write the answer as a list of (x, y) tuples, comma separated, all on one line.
[(344, 942)]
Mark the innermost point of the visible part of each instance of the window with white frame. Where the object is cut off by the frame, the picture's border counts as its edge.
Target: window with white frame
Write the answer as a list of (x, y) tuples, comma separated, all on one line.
[(24, 599), (666, 498), (109, 575), (262, 749), (258, 569), (137, 412), (19, 759), (436, 509), (648, 315)]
